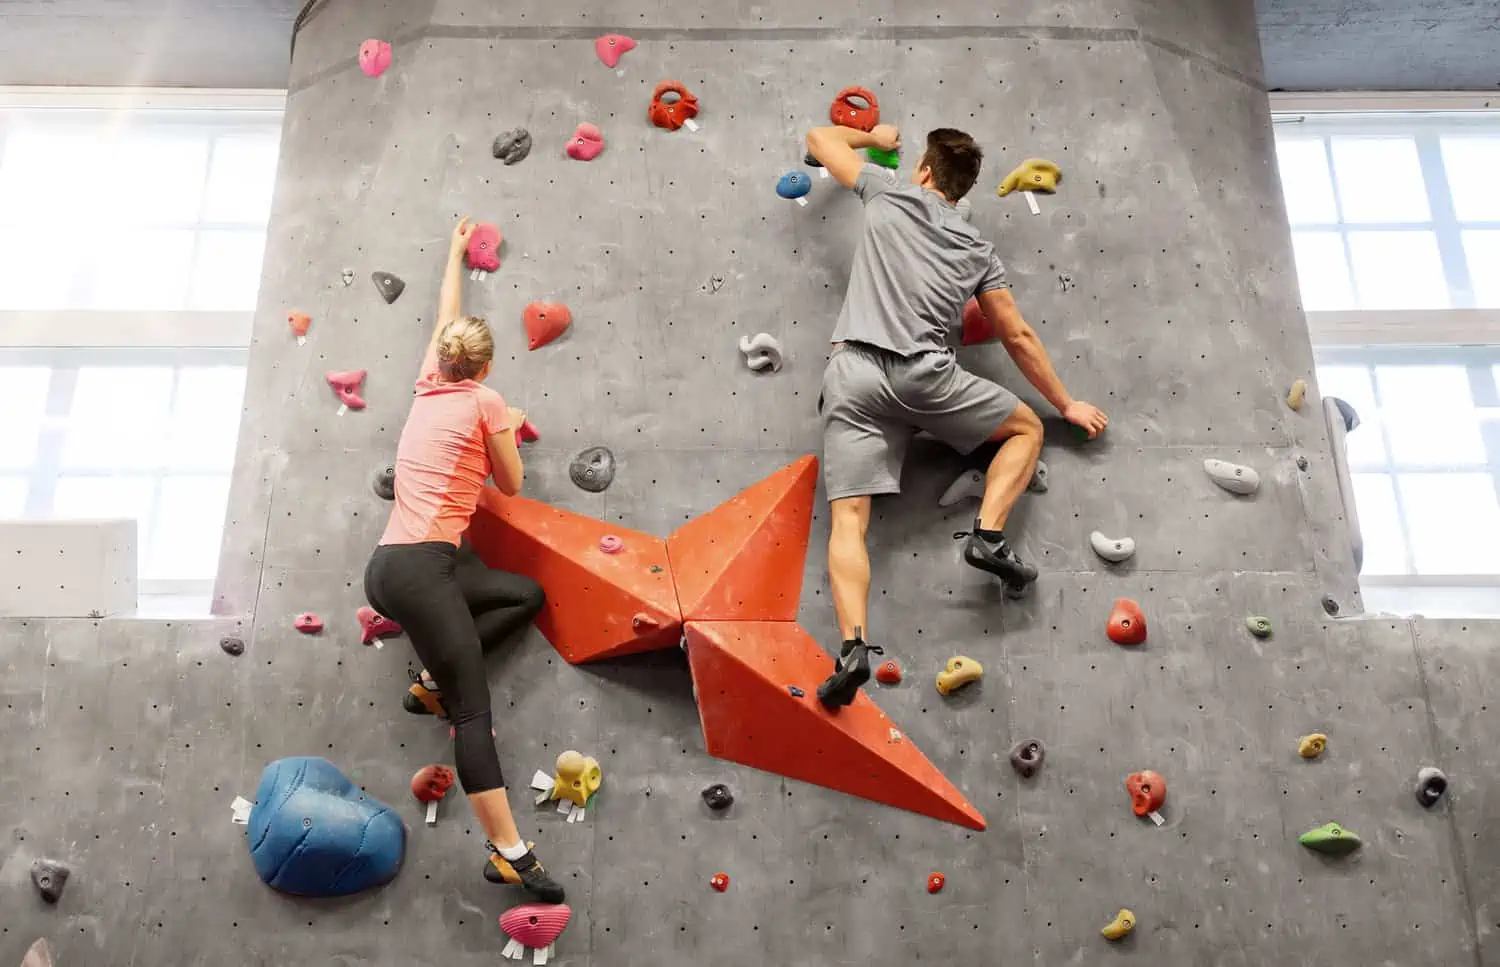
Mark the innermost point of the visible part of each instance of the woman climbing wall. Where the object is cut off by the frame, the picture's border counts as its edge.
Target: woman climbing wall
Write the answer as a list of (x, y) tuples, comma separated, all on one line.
[(424, 576)]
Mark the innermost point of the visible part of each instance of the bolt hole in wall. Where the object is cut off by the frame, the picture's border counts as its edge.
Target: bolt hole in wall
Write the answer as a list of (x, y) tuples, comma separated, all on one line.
[(1395, 216), (123, 347)]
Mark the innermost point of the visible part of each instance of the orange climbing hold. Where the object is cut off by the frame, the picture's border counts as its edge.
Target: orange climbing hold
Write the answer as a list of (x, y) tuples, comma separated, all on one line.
[(889, 673), (847, 111), (743, 560), (545, 321), (936, 882), (1127, 624), (298, 322), (675, 113), (741, 670)]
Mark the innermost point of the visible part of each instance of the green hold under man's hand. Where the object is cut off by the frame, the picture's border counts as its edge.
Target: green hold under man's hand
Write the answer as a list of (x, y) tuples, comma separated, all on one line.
[(884, 158)]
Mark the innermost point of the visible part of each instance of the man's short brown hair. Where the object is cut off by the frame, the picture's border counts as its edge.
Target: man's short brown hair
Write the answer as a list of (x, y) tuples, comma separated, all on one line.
[(954, 159)]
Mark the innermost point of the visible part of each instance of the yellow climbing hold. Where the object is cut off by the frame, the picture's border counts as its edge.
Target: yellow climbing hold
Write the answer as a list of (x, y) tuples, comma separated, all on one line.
[(960, 671), (1034, 174), (1312, 745), (1297, 395), (578, 777), (1122, 924)]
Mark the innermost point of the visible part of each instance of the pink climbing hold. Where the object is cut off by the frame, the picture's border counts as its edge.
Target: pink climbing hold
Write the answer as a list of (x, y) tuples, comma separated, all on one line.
[(586, 143), (484, 248), (374, 57), (527, 433), (611, 47), (373, 625), (346, 384), (308, 623), (976, 326), (545, 321), (611, 544), (535, 925)]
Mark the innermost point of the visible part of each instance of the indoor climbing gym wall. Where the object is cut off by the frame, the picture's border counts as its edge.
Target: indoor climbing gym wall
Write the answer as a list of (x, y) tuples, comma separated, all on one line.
[(1137, 761)]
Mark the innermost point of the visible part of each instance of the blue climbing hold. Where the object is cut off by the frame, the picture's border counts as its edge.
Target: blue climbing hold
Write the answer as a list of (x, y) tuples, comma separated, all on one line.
[(312, 832), (793, 184)]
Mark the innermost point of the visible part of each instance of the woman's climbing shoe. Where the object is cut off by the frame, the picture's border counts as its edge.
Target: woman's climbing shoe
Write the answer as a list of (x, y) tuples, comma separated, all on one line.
[(526, 872), (423, 698)]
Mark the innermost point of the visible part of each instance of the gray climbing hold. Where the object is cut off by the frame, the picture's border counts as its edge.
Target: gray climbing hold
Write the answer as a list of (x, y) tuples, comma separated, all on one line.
[(965, 209), (970, 484), (1026, 757), (1112, 549), (1350, 417), (1302, 463), (1431, 784), (1233, 477), (717, 796), (512, 146), (1038, 484), (593, 469), (390, 286), (1065, 280), (384, 483), (761, 351), (49, 877), (1330, 605), (348, 277), (232, 645)]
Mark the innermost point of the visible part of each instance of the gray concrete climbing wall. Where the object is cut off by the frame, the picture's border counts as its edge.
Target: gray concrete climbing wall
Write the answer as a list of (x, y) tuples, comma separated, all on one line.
[(127, 740)]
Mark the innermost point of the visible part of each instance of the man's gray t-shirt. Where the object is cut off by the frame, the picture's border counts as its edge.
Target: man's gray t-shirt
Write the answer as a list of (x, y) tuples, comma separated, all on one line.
[(917, 263)]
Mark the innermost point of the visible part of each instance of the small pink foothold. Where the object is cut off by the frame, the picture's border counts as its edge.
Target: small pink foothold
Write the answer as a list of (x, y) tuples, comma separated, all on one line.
[(535, 925), (374, 625), (527, 433), (484, 248), (610, 544), (374, 57), (308, 623), (346, 384), (586, 143), (611, 47)]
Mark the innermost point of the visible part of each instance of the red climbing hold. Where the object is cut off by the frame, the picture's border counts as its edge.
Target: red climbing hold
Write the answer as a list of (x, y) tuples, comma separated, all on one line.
[(675, 113), (719, 881), (1148, 790), (298, 321), (935, 882), (611, 47), (527, 433), (1127, 625), (483, 253), (586, 143), (373, 625), (611, 544), (308, 623), (977, 328), (844, 111), (374, 57), (535, 925), (346, 384), (431, 783), (889, 673), (545, 321)]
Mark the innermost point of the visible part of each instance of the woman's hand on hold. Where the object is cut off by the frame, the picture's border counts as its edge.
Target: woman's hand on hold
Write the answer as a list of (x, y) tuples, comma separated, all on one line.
[(461, 233), (517, 418), (886, 136)]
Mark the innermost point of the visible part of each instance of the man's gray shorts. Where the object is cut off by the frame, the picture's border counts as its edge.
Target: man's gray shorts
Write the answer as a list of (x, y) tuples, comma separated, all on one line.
[(874, 401)]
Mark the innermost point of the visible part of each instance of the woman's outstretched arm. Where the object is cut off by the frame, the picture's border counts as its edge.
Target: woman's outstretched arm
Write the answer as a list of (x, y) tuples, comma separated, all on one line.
[(450, 295)]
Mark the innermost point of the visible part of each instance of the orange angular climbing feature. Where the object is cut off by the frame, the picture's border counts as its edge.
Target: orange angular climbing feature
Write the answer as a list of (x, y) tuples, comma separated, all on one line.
[(742, 561), (599, 604), (742, 671)]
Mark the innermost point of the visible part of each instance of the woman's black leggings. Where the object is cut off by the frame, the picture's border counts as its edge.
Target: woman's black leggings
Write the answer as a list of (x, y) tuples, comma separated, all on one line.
[(454, 609)]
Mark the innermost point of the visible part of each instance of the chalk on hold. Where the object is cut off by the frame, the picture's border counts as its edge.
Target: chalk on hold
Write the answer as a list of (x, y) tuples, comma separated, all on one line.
[(384, 482), (1026, 757), (374, 57), (1127, 623), (1297, 394), (389, 286), (884, 158), (308, 623), (49, 877), (611, 47), (936, 882), (889, 673), (855, 107), (793, 184), (39, 954), (545, 321), (483, 253), (970, 484), (1120, 926), (1148, 791), (1431, 784), (1312, 745), (717, 797), (512, 146), (762, 351), (1233, 477), (593, 469), (959, 671), (719, 881), (346, 386), (576, 778), (1258, 625), (533, 925), (373, 625), (298, 322), (977, 328), (1033, 174), (1112, 549), (611, 544), (672, 114), (586, 143), (232, 645), (1331, 838), (1038, 484)]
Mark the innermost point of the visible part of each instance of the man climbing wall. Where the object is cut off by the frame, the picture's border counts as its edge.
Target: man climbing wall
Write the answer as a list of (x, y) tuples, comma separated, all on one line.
[(892, 373)]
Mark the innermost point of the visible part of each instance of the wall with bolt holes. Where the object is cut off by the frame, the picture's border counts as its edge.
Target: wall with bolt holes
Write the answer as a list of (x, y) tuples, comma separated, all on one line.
[(128, 740)]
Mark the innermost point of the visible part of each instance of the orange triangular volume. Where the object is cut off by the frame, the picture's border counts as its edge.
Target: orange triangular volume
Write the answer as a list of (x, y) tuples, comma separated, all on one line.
[(599, 605), (741, 670), (742, 561)]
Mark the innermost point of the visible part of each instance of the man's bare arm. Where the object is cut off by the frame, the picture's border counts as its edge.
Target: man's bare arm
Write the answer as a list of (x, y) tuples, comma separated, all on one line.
[(835, 148), (1024, 346)]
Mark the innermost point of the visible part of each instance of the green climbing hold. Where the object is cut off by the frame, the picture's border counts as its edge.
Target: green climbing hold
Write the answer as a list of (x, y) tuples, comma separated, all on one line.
[(884, 158), (1258, 625), (1330, 838)]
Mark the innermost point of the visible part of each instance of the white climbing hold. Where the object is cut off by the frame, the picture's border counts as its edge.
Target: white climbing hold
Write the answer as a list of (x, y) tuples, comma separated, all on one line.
[(965, 208), (348, 277), (1112, 549), (1233, 477), (761, 350), (1038, 484), (969, 484)]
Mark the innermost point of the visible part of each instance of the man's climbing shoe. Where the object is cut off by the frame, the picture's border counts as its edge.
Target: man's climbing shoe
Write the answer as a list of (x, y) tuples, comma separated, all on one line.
[(526, 872), (423, 698), (850, 672), (996, 557)]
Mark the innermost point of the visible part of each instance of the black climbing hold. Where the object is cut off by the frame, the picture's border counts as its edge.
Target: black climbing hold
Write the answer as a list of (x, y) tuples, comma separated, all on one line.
[(810, 161), (593, 469), (1431, 784), (232, 645), (1301, 463), (718, 796), (1330, 605), (1026, 757), (390, 286), (796, 692), (49, 877), (512, 146), (385, 482)]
